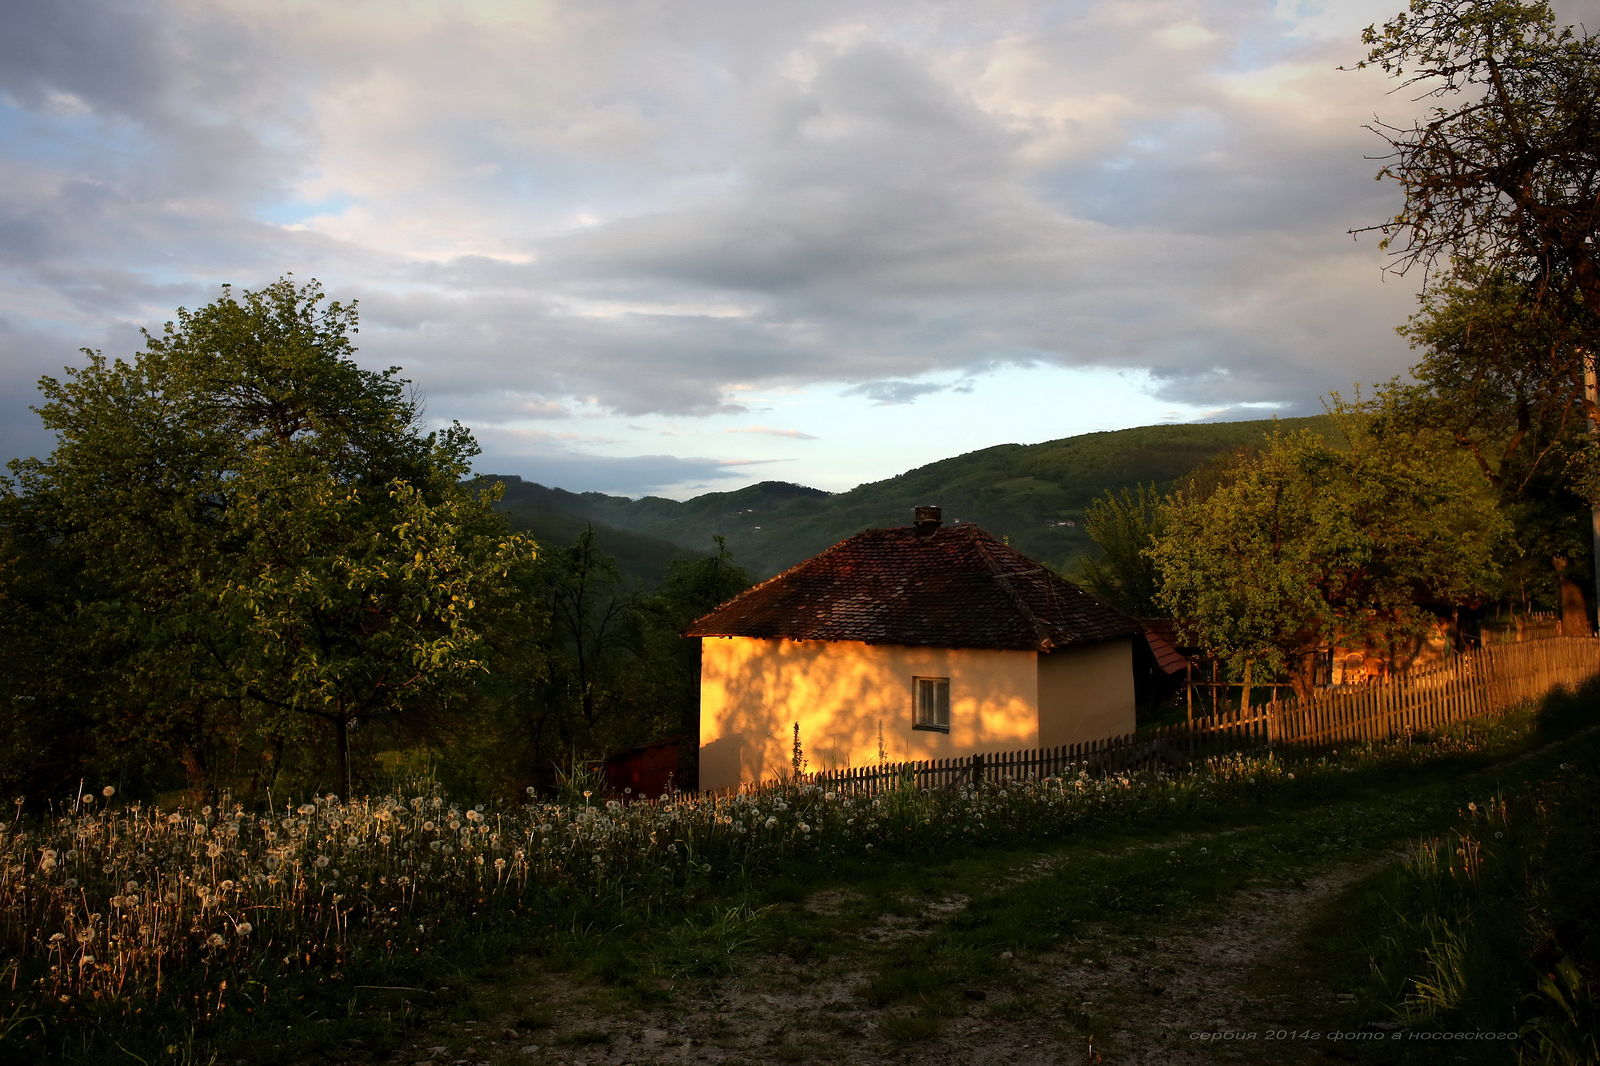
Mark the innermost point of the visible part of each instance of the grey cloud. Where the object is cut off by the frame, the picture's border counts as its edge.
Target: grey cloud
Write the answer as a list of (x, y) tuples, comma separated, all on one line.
[(1240, 413), (634, 475), (893, 392), (869, 211), (109, 55)]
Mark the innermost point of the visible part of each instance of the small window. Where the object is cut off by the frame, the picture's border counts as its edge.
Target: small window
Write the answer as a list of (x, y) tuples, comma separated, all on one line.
[(931, 703)]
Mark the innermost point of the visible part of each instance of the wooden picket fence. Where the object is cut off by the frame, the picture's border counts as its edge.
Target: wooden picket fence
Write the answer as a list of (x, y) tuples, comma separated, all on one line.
[(1486, 681)]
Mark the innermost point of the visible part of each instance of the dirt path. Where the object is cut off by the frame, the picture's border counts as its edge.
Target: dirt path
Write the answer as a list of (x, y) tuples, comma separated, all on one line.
[(1128, 1000)]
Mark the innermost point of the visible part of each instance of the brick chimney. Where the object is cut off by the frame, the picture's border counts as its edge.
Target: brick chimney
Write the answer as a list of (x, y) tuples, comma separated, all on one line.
[(927, 520)]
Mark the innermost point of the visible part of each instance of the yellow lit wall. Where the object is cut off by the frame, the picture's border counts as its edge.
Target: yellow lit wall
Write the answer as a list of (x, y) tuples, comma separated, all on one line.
[(1086, 693), (842, 693)]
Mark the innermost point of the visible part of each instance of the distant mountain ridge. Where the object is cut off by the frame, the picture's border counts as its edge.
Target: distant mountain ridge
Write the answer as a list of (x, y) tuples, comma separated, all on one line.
[(1033, 495)]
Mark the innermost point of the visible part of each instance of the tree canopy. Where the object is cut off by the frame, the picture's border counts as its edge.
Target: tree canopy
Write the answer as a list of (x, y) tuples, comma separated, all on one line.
[(1503, 171), (260, 534), (1123, 525), (1308, 546)]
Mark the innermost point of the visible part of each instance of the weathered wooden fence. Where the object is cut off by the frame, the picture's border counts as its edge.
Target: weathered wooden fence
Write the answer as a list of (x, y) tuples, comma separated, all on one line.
[(1488, 680)]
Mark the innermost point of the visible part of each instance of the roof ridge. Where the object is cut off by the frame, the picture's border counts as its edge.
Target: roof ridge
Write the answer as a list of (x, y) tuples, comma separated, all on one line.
[(956, 586), (981, 544)]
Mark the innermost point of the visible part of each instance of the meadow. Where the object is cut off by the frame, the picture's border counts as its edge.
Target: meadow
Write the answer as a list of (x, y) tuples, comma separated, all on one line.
[(126, 926)]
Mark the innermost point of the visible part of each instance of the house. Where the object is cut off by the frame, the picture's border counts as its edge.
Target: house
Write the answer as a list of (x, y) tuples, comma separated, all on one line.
[(922, 642)]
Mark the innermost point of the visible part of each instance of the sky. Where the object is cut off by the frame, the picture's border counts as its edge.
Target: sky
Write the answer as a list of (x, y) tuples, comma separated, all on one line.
[(677, 246)]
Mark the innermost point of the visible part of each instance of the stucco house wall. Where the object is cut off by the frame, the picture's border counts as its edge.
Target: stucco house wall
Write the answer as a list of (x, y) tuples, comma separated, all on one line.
[(836, 642), (1086, 693), (753, 691)]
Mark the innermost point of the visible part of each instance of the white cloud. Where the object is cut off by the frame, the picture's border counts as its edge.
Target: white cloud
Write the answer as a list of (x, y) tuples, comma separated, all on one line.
[(565, 210)]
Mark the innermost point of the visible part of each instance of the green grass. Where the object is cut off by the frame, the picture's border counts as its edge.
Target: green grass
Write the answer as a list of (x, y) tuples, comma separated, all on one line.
[(1130, 854), (1177, 868)]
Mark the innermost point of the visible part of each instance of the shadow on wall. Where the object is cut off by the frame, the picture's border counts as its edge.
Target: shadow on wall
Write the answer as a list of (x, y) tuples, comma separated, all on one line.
[(852, 700)]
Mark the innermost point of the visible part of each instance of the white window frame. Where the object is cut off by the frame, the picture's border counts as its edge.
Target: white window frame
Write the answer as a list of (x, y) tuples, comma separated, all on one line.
[(930, 704)]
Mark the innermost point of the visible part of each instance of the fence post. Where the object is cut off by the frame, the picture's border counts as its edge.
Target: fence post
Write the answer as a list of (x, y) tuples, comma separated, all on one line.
[(977, 770)]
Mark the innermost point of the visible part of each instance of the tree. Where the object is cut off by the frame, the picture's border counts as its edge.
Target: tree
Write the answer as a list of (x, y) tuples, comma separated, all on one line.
[(1503, 172), (580, 591), (262, 532), (692, 588), (1124, 525), (1500, 374), (1503, 379), (1308, 546)]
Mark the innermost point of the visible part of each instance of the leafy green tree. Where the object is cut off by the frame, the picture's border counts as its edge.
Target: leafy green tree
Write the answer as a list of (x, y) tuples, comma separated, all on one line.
[(1502, 181), (606, 669), (262, 533), (692, 588), (1503, 379), (1309, 546), (1124, 525), (581, 592), (1499, 373), (1503, 171)]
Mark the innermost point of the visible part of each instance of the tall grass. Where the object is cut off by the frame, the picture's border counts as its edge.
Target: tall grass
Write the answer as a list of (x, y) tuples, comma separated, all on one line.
[(1495, 925), (128, 918)]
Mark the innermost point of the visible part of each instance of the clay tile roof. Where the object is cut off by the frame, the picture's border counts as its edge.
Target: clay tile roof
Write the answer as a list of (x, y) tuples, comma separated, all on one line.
[(1161, 635), (951, 587)]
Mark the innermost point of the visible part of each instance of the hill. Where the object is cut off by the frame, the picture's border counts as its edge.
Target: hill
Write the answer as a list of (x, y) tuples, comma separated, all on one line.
[(551, 516), (1034, 495)]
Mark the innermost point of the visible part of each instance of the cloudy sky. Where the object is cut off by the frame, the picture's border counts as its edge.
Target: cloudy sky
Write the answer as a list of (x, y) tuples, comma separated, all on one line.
[(671, 246)]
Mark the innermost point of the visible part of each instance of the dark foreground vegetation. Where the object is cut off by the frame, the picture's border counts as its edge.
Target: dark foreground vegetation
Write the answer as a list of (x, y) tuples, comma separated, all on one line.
[(249, 566), (131, 931)]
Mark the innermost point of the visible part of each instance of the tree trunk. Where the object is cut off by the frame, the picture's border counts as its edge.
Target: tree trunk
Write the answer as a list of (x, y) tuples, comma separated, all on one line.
[(1574, 612), (1303, 677), (341, 726)]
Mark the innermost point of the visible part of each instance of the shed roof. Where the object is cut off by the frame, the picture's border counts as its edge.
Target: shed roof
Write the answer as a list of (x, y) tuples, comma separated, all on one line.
[(948, 587)]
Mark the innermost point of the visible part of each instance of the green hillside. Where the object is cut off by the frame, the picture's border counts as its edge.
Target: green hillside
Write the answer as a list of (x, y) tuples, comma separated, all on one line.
[(1034, 495), (551, 517)]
